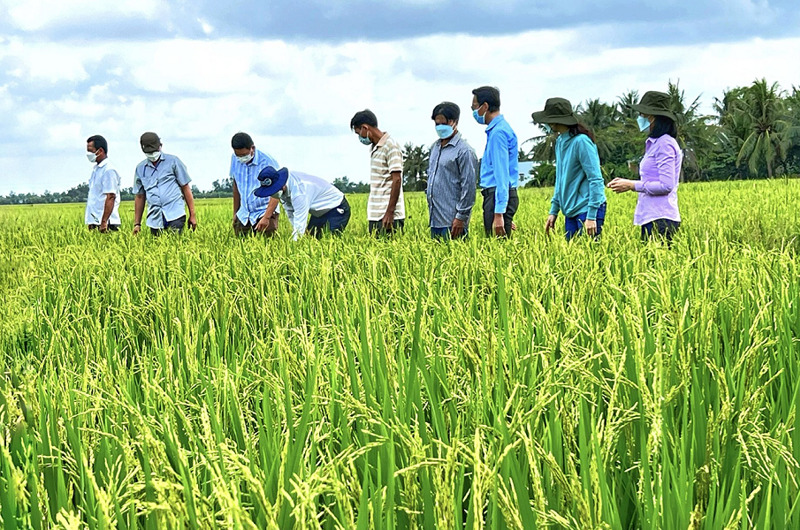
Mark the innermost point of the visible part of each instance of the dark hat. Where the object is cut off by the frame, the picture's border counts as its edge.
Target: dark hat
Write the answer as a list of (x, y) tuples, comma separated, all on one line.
[(150, 142), (272, 180), (654, 104), (556, 110)]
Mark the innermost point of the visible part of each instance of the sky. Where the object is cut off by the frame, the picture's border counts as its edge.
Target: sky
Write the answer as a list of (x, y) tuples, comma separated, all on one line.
[(293, 73)]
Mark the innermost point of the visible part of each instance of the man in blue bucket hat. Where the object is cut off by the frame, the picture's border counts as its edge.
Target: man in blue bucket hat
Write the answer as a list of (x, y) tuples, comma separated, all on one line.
[(302, 195)]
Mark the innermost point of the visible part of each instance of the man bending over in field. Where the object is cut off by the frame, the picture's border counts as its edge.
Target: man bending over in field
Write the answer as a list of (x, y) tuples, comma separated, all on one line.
[(163, 182), (302, 194)]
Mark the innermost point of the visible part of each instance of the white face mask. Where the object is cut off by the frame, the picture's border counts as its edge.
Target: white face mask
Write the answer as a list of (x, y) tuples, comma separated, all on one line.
[(245, 159), (152, 157), (91, 156), (278, 195)]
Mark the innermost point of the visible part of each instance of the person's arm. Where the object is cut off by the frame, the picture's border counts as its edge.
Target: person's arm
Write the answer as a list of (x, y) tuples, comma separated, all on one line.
[(301, 206), (666, 161), (388, 217), (138, 210), (108, 207), (186, 189), (467, 163), (590, 162), (237, 199)]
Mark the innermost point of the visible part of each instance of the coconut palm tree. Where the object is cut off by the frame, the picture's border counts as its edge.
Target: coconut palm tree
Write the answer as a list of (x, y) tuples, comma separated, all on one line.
[(770, 132), (415, 166)]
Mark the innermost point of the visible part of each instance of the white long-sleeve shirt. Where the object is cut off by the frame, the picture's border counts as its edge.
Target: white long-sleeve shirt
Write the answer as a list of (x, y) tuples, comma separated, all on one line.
[(306, 194)]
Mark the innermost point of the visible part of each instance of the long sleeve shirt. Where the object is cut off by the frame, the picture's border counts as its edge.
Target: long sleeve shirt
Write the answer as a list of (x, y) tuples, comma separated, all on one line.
[(499, 165), (251, 207), (579, 183), (306, 194), (452, 170), (659, 173), (161, 186)]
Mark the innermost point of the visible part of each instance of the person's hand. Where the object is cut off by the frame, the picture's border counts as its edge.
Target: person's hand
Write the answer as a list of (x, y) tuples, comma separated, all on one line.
[(591, 227), (234, 220), (103, 227), (550, 224), (137, 228), (513, 226), (388, 221), (621, 185), (457, 229), (262, 224), (192, 221), (499, 225)]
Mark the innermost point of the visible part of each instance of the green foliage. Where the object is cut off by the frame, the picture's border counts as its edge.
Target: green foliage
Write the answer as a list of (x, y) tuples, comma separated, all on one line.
[(207, 381)]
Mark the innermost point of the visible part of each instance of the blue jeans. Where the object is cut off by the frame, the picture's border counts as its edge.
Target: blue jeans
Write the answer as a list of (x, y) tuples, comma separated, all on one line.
[(444, 233), (573, 226), (335, 220), (660, 228)]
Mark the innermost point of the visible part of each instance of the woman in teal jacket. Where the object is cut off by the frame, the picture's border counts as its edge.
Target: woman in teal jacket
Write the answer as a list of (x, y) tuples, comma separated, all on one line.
[(580, 191)]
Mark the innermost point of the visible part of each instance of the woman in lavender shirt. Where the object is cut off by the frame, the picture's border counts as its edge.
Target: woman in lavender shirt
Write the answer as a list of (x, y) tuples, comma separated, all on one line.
[(659, 171)]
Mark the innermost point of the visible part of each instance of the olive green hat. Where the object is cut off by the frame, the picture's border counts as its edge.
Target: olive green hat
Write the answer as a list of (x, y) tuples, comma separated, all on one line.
[(654, 104), (556, 110)]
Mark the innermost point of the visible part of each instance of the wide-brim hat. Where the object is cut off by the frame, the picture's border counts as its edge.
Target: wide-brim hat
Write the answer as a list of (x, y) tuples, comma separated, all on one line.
[(272, 180), (556, 110), (654, 104)]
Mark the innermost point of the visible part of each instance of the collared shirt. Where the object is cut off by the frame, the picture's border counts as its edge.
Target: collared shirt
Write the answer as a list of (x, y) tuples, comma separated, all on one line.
[(386, 157), (104, 180), (659, 173), (579, 183), (161, 186), (452, 170), (499, 165), (251, 207), (306, 194)]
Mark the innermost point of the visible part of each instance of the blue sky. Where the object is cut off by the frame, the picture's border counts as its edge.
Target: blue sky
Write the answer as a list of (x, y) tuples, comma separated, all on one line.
[(293, 73)]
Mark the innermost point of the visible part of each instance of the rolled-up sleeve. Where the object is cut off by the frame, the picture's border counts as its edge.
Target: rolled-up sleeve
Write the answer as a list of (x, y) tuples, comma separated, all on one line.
[(181, 175), (109, 182)]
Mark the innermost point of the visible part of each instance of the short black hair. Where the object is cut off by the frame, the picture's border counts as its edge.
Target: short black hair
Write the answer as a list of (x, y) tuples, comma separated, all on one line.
[(663, 125), (449, 110), (364, 117), (241, 140), (99, 142), (490, 95)]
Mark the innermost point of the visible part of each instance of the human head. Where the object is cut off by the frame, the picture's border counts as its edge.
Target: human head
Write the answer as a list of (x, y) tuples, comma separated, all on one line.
[(243, 146), (445, 116), (98, 145), (363, 123), (150, 142), (486, 100)]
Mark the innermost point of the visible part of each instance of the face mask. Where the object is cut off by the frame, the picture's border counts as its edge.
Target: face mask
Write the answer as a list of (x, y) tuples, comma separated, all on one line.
[(547, 128), (278, 195), (480, 119), (152, 157), (444, 131), (92, 157), (643, 122), (364, 140), (245, 159)]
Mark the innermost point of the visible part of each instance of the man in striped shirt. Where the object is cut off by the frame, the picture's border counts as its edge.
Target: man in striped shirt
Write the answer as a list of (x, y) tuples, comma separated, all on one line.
[(386, 210), (251, 214)]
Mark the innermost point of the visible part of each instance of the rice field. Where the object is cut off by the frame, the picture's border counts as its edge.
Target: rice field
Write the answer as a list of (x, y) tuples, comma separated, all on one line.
[(206, 381)]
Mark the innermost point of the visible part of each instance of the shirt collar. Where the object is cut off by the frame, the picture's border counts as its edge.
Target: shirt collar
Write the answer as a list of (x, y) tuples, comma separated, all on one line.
[(454, 141), (103, 163), (382, 141), (496, 121)]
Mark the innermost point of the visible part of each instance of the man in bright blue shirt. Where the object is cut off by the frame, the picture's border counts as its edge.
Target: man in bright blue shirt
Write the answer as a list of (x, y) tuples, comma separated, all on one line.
[(251, 214), (499, 166)]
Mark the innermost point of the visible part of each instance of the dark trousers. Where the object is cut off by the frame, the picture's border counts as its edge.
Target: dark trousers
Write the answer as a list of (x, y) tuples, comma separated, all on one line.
[(174, 226), (247, 229), (488, 210), (376, 227), (444, 233), (111, 228), (573, 226), (660, 229), (334, 220)]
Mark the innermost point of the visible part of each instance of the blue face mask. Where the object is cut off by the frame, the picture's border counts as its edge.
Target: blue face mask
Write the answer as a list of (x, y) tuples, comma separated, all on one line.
[(547, 128), (364, 140), (643, 122), (444, 131), (480, 119)]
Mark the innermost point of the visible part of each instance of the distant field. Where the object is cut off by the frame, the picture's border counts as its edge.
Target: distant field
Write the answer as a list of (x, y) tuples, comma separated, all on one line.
[(207, 381)]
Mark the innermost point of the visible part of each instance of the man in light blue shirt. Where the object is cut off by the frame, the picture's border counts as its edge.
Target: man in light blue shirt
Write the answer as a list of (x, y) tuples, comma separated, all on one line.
[(499, 166), (162, 181), (251, 214)]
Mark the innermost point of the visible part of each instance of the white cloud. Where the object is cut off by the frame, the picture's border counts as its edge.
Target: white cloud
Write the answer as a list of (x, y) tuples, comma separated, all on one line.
[(297, 99)]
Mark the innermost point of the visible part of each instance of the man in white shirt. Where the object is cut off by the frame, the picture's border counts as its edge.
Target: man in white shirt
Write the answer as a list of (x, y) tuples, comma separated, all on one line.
[(302, 194), (102, 206)]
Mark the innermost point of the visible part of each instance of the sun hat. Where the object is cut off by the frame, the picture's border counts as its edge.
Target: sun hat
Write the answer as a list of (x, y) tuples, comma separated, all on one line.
[(272, 180), (654, 104), (556, 110)]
